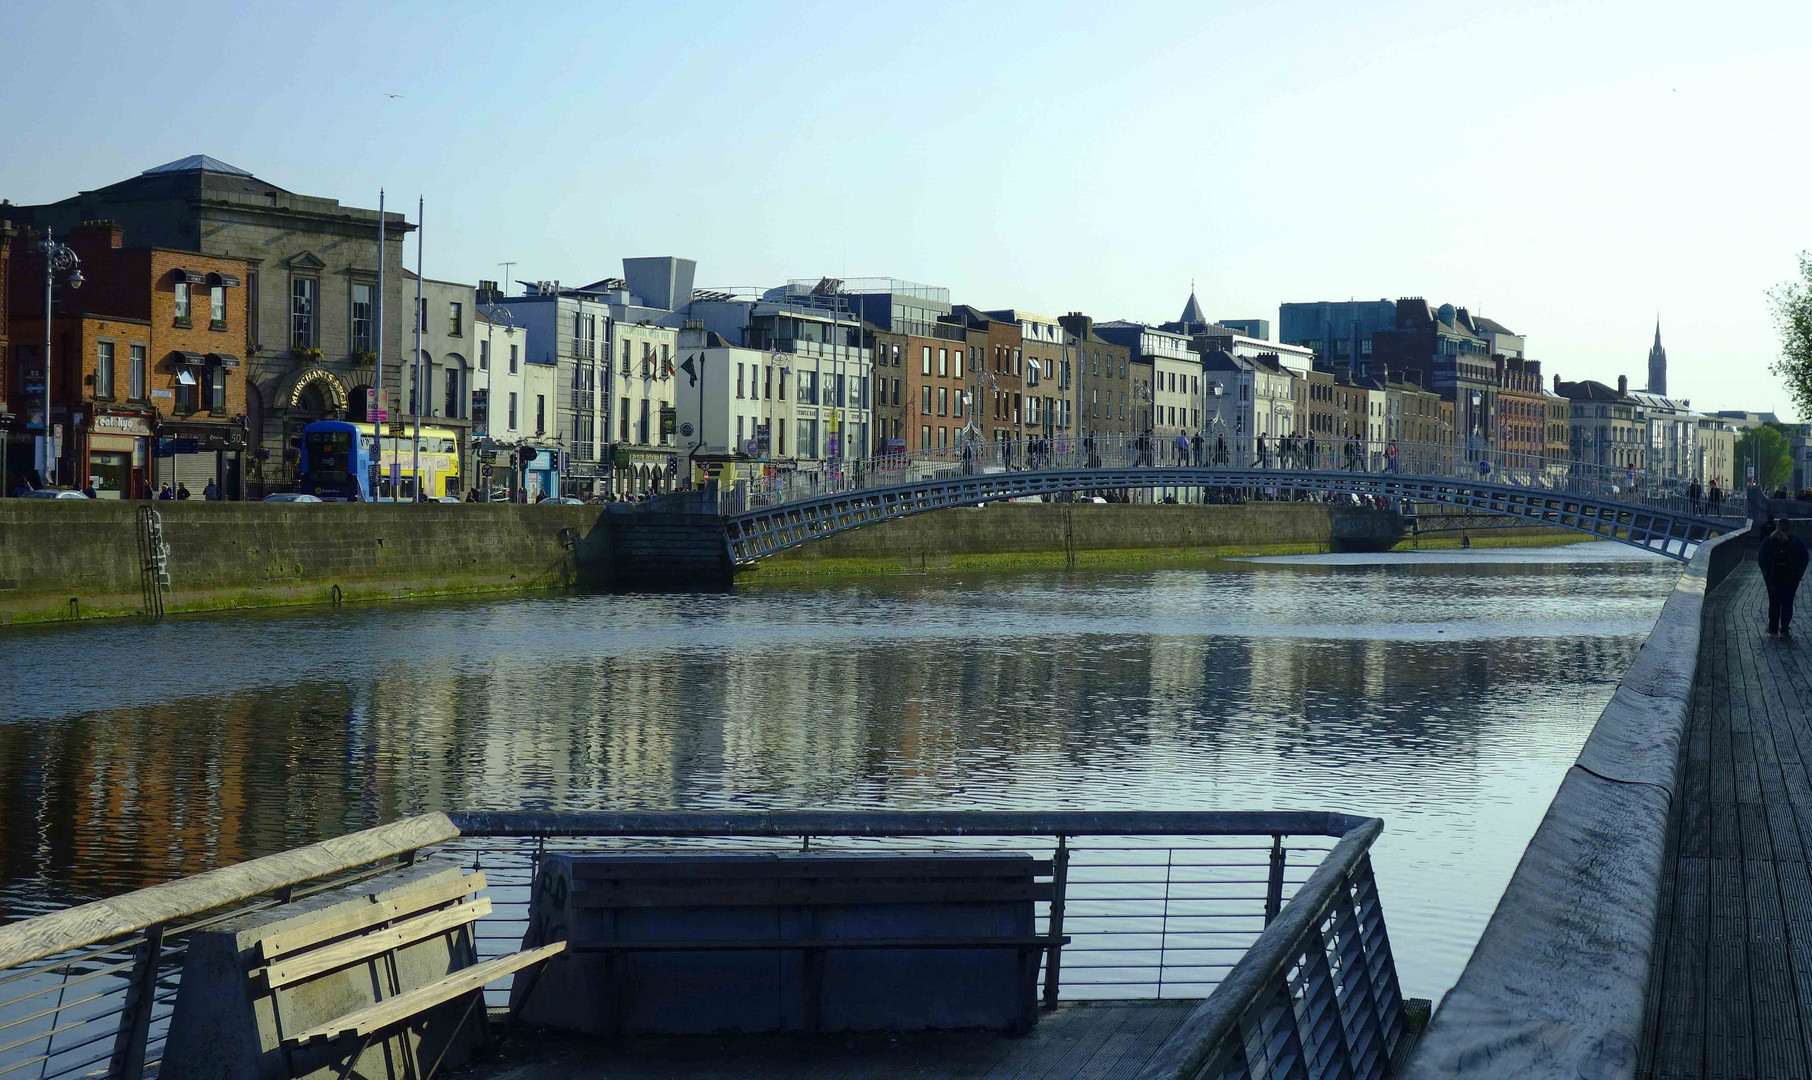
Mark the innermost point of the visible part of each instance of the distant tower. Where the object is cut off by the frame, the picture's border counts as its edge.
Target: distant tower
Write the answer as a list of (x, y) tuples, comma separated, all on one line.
[(1657, 365)]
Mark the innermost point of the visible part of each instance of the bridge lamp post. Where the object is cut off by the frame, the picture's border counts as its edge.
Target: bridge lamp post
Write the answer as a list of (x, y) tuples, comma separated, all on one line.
[(59, 259)]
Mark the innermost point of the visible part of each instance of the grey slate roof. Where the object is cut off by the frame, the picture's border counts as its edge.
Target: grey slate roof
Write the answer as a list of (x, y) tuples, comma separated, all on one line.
[(196, 163)]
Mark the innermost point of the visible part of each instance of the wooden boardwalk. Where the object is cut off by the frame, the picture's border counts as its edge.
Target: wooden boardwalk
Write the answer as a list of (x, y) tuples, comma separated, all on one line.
[(1732, 996), (1077, 1041)]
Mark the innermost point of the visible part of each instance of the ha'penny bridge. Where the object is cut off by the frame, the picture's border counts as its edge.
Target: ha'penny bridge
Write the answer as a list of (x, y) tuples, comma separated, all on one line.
[(1659, 515)]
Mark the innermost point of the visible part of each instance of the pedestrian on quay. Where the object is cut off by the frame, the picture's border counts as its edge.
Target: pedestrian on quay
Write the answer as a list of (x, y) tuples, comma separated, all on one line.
[(1783, 561), (182, 492), (211, 493), (165, 494), (88, 491)]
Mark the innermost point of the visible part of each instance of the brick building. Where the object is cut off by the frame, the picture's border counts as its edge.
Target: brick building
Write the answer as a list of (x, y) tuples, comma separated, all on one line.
[(147, 352), (998, 382), (1522, 433), (1047, 375), (893, 413)]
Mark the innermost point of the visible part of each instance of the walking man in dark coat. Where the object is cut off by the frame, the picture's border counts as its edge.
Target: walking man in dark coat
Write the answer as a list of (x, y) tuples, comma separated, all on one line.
[(1783, 561)]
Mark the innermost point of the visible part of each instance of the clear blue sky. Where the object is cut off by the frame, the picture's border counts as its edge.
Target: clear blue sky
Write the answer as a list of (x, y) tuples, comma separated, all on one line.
[(1569, 169)]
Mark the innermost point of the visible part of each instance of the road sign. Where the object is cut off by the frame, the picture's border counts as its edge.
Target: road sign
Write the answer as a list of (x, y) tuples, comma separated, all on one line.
[(686, 430), (396, 430)]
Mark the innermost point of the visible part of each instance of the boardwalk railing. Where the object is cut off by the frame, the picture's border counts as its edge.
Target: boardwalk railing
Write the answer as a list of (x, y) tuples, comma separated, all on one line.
[(1558, 981), (1171, 905)]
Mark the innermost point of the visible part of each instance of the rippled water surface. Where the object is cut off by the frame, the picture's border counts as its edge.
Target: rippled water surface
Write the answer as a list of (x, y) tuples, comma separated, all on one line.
[(1444, 693)]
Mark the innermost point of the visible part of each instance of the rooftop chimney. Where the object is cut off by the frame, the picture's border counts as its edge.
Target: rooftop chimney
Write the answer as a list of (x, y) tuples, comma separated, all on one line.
[(1557, 382), (109, 230), (1623, 384)]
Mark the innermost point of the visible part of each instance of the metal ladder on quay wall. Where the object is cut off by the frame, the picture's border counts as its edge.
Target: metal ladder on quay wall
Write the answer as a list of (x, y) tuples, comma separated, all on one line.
[(153, 561)]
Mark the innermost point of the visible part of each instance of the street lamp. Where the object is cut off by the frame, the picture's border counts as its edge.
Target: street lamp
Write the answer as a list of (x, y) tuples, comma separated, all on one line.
[(58, 259)]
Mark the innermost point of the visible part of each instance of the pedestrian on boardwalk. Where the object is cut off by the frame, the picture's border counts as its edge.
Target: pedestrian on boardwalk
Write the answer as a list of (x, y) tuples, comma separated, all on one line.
[(1783, 561)]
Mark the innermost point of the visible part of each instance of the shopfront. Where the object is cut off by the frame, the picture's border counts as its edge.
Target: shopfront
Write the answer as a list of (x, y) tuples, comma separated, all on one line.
[(117, 454), (193, 454)]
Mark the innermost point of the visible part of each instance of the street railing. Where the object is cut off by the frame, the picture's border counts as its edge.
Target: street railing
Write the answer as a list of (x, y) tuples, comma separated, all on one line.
[(1153, 904), (1485, 465)]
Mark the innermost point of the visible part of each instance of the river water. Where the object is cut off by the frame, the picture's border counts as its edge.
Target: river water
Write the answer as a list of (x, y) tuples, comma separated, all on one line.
[(1446, 693)]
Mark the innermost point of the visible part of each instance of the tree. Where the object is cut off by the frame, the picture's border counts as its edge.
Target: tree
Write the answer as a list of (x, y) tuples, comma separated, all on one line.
[(1767, 448), (1793, 320)]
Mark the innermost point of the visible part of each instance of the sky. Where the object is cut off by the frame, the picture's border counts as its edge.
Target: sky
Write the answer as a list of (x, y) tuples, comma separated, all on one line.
[(1572, 170)]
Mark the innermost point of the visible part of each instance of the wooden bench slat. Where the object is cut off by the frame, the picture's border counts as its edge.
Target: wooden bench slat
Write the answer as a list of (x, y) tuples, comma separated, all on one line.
[(353, 950), (704, 868), (786, 944), (757, 894), (285, 942), (411, 1003)]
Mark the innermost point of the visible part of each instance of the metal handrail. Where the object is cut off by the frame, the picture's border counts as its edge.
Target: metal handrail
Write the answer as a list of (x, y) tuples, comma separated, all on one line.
[(1212, 1041), (904, 823)]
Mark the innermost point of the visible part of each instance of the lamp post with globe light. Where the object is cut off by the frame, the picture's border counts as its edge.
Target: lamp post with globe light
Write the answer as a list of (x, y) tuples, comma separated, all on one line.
[(59, 259)]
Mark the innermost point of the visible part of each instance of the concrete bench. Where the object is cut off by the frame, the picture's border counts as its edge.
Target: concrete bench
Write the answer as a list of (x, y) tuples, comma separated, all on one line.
[(377, 979), (699, 942)]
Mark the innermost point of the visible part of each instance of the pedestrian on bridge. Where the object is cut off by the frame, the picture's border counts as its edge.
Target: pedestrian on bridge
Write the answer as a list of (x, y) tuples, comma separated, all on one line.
[(1390, 456), (1195, 448), (1695, 496), (1715, 498), (1263, 462), (1783, 562), (1310, 451), (1182, 449)]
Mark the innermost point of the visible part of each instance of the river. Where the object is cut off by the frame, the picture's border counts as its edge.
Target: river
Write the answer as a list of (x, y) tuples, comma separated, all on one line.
[(1444, 692)]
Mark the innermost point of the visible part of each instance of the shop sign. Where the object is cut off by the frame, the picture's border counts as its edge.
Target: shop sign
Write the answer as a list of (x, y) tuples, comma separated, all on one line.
[(172, 447), (124, 425)]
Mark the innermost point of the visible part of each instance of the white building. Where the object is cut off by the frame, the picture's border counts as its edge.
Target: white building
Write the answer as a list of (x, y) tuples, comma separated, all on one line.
[(448, 350), (1173, 403), (1246, 396), (1672, 431), (571, 332)]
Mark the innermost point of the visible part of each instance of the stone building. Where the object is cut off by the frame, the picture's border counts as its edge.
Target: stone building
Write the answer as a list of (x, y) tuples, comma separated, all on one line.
[(311, 274), (1104, 401), (1604, 427), (146, 373)]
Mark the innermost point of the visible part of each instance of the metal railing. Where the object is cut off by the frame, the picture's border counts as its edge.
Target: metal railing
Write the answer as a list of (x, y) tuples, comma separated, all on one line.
[(1155, 905), (971, 456)]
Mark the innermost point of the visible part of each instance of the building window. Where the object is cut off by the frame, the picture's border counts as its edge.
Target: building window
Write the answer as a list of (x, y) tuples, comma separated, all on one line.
[(924, 401), (362, 340), (484, 356), (217, 390), (302, 325), (924, 359), (943, 401), (217, 307), (943, 438), (103, 369), (739, 393), (512, 410), (454, 398), (943, 361), (251, 306), (136, 374), (956, 404), (182, 303), (808, 438), (924, 436), (512, 358), (540, 414), (957, 360), (456, 318)]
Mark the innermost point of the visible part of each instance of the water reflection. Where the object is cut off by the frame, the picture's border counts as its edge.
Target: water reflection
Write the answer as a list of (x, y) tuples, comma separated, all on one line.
[(1444, 694)]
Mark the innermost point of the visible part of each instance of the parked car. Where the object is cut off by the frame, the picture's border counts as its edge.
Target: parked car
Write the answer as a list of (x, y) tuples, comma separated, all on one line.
[(448, 498), (291, 497), (568, 500), (54, 493)]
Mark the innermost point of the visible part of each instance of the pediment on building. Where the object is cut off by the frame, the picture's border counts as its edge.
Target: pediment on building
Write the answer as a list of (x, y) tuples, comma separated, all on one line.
[(306, 260)]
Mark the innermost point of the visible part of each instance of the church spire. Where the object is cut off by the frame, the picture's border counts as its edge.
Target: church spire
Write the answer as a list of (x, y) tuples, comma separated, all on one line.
[(1657, 364)]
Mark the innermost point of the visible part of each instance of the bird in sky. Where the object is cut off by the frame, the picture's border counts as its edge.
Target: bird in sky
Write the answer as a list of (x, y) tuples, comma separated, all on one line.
[(393, 95)]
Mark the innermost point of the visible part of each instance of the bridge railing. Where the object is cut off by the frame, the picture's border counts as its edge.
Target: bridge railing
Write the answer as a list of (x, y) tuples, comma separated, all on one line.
[(1236, 454)]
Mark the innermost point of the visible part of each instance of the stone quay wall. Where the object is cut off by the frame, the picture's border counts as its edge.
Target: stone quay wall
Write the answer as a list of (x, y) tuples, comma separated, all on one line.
[(66, 558)]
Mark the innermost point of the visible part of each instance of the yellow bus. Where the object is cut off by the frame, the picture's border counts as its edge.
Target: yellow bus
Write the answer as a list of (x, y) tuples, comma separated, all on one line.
[(437, 453)]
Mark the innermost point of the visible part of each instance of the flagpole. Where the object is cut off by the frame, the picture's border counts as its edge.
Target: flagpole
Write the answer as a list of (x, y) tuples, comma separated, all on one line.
[(377, 436), (415, 451)]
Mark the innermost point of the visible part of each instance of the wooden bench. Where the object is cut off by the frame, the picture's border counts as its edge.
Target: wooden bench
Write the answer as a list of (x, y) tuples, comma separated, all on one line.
[(373, 936)]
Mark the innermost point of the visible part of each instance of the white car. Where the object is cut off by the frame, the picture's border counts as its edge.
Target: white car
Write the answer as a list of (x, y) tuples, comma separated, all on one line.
[(54, 493), (291, 497)]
